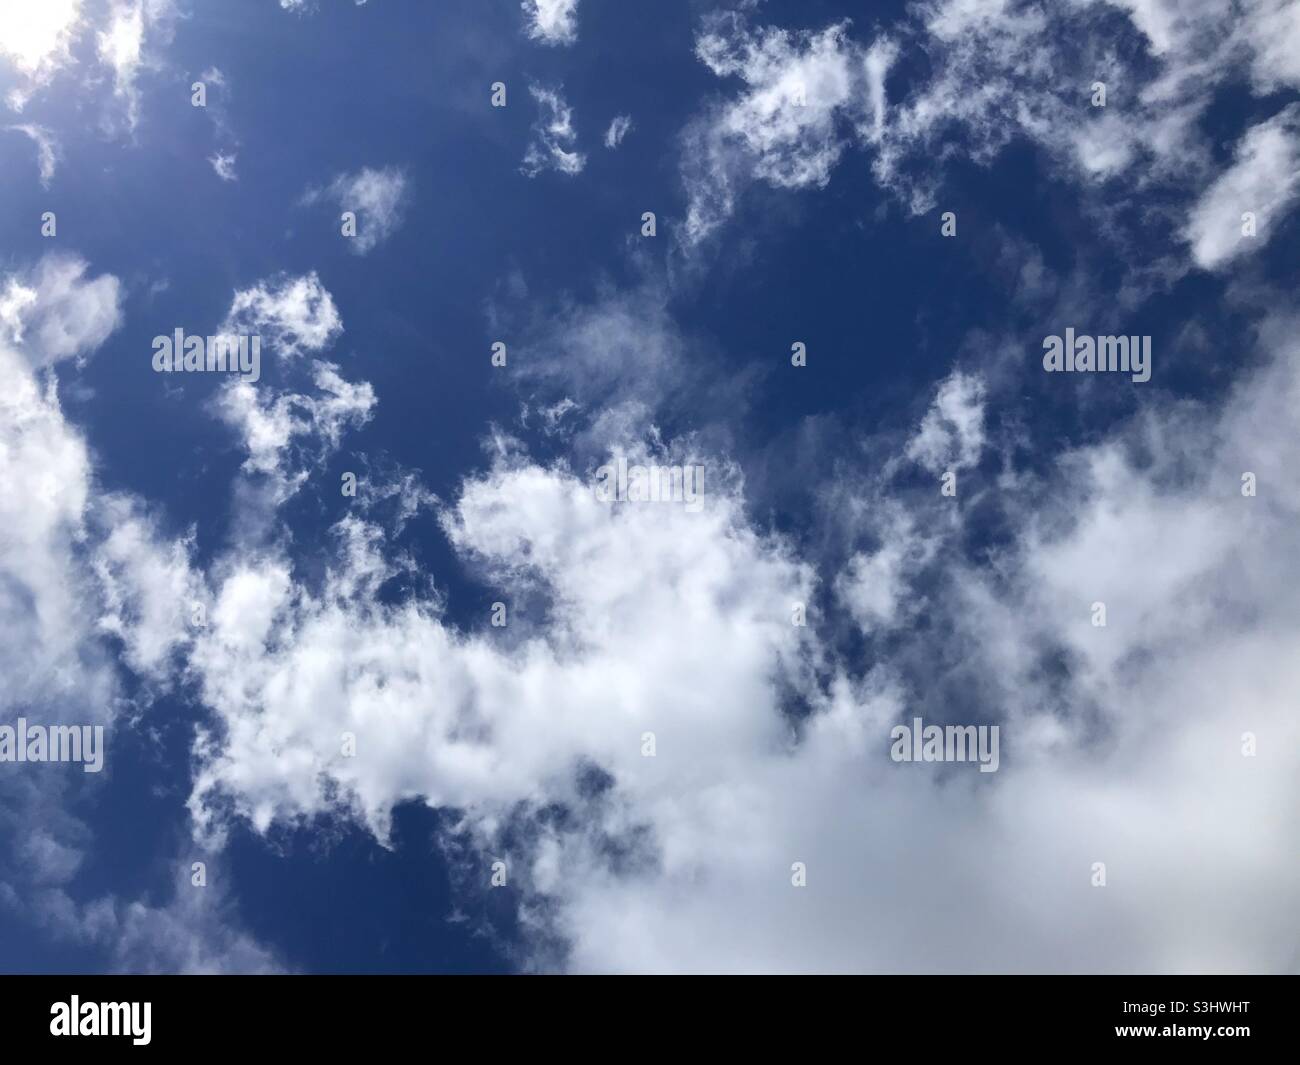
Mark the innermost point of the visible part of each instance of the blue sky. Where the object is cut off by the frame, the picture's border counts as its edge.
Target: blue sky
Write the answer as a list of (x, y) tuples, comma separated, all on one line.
[(303, 689)]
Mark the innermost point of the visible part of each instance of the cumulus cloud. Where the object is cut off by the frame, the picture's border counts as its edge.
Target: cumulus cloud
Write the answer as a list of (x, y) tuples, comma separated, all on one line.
[(804, 95), (633, 619), (706, 831), (554, 143), (295, 314), (1155, 708), (551, 21), (149, 587), (89, 584), (48, 653), (996, 71), (1122, 743), (697, 842), (55, 312), (1003, 71), (54, 608), (378, 197), (287, 434), (287, 430), (483, 739)]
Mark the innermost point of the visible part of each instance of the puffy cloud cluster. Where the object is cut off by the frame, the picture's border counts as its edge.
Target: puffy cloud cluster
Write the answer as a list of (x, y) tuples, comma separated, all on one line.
[(277, 425), (88, 583), (806, 97), (1122, 744), (551, 21), (295, 314), (54, 312), (999, 70)]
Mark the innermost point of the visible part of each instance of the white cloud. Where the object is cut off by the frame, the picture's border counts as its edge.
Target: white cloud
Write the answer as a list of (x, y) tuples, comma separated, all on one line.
[(224, 165), (618, 129), (1264, 179), (628, 619), (707, 631), (377, 197), (75, 564), (121, 46), (48, 655), (54, 312), (51, 657), (1273, 30), (148, 585), (551, 21), (47, 149), (295, 314), (554, 142), (951, 435), (804, 96), (194, 933), (128, 45), (16, 299), (37, 39), (79, 572), (1133, 757), (304, 6), (272, 425), (32, 35), (876, 586), (216, 96), (995, 71), (657, 625)]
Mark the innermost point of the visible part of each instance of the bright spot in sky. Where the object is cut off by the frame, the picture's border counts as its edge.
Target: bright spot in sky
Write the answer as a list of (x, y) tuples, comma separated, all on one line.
[(31, 29)]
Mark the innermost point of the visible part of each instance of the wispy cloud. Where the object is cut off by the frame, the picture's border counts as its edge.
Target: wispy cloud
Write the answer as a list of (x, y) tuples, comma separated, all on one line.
[(618, 129), (224, 164), (554, 141), (377, 197), (47, 149)]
